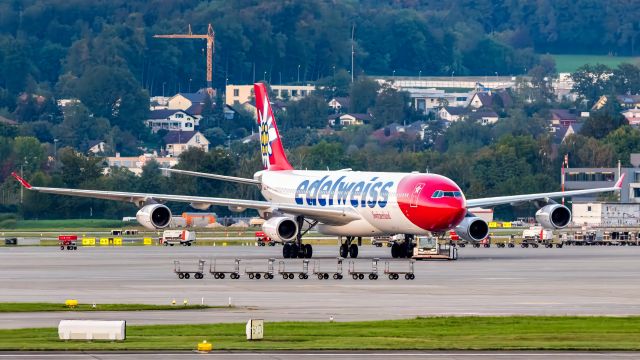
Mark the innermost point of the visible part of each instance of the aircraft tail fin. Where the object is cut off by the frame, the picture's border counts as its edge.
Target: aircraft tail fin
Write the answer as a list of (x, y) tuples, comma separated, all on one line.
[(271, 150)]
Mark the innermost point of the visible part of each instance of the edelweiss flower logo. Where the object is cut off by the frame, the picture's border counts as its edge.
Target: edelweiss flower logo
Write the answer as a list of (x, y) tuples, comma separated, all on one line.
[(267, 132)]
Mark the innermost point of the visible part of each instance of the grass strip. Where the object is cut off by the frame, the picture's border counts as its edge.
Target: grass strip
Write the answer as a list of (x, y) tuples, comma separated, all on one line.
[(433, 333), (40, 307)]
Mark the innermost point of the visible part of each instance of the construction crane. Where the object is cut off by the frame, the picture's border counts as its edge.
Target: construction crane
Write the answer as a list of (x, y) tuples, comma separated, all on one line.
[(210, 37)]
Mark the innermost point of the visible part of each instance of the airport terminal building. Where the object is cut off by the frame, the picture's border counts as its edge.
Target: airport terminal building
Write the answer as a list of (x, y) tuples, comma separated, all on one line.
[(591, 178)]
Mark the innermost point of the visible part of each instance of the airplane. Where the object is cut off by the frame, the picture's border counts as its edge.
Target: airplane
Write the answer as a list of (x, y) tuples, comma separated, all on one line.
[(344, 203)]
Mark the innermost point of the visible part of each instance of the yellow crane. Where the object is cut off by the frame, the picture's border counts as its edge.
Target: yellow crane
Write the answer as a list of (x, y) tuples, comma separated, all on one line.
[(210, 37)]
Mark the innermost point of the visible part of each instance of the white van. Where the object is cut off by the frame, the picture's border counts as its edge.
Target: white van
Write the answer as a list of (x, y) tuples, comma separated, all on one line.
[(182, 237)]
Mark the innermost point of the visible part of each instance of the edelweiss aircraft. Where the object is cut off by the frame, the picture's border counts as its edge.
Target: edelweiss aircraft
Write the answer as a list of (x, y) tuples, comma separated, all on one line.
[(349, 204)]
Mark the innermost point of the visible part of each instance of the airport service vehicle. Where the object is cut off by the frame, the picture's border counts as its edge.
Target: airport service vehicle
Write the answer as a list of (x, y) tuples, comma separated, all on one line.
[(360, 275), (323, 275), (120, 232), (253, 274), (429, 248), (198, 273), (344, 203), (262, 239), (69, 242), (182, 237), (220, 274), (395, 275), (536, 235)]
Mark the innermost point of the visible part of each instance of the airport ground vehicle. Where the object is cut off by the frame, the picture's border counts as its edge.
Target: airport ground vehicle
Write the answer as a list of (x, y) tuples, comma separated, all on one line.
[(268, 274), (220, 274), (302, 275), (120, 232), (345, 203), (360, 275), (182, 237), (69, 242), (429, 248), (262, 239), (198, 273), (395, 275), (323, 275)]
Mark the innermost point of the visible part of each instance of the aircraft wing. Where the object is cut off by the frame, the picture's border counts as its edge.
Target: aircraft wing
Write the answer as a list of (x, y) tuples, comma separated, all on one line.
[(499, 200), (214, 176), (334, 215)]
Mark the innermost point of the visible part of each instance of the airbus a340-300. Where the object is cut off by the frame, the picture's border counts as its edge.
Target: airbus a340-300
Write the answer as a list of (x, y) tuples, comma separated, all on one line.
[(346, 203)]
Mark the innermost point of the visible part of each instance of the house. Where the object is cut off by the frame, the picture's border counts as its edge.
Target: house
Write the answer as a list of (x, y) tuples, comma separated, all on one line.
[(180, 141), (136, 163), (483, 116), (562, 117), (561, 133), (339, 104), (184, 101), (632, 116), (172, 120), (349, 119), (452, 113), (625, 101), (238, 94), (395, 130), (491, 99), (97, 147)]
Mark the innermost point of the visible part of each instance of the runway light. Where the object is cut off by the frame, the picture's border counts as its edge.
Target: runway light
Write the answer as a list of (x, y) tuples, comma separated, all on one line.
[(173, 302), (330, 318), (185, 302), (205, 346)]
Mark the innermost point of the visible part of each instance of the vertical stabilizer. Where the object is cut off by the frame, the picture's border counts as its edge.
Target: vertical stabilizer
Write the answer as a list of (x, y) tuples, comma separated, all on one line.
[(271, 150)]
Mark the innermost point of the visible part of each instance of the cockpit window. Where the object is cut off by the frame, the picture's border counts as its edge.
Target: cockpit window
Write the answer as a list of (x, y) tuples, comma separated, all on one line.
[(447, 194)]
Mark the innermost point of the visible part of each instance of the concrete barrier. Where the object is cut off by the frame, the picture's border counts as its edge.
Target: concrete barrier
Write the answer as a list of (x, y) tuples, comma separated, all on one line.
[(92, 330)]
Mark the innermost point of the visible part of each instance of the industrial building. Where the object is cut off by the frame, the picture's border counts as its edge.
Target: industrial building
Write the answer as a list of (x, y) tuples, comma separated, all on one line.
[(606, 214)]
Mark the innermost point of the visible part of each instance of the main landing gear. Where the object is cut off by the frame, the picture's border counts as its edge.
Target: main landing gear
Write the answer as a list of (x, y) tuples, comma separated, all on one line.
[(404, 249), (347, 248), (296, 249)]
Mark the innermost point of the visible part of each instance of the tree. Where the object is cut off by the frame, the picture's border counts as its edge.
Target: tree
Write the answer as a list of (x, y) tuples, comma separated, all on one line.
[(592, 81), (308, 112), (391, 106), (363, 94), (78, 168), (602, 122), (624, 141), (29, 153), (626, 79)]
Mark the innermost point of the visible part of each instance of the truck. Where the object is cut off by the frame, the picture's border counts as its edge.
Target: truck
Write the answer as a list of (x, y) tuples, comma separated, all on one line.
[(182, 237), (536, 235)]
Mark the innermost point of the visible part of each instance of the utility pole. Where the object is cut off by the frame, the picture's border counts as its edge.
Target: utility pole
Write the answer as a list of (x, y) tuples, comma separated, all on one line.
[(353, 30)]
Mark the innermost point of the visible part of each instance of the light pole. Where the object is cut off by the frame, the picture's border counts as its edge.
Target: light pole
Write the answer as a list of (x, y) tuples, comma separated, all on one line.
[(264, 77), (419, 74), (394, 75), (298, 74), (190, 84), (163, 83)]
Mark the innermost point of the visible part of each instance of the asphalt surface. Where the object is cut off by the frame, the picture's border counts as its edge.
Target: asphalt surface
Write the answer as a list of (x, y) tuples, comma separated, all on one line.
[(571, 280), (396, 355)]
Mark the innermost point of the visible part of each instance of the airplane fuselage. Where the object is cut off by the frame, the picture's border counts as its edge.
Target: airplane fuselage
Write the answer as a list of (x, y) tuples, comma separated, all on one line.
[(389, 203)]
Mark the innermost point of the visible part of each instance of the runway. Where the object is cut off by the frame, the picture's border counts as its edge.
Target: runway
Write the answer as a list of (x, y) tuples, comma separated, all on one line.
[(342, 355), (567, 281)]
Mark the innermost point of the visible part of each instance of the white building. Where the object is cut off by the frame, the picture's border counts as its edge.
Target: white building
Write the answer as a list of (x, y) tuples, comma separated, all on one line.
[(180, 141), (632, 116), (349, 119), (172, 120), (135, 163), (606, 214), (239, 94), (187, 101)]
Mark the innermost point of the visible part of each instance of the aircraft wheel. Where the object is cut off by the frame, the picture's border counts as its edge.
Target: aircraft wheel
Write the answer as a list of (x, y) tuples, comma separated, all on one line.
[(395, 250), (308, 251), (62, 247), (344, 250), (293, 253), (353, 251), (286, 251)]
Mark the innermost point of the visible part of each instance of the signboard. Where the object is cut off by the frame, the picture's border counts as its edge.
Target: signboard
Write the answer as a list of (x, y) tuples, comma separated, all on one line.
[(255, 329)]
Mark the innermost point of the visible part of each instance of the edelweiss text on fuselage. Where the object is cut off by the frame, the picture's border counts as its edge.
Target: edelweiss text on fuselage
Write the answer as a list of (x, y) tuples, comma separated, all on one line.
[(326, 192)]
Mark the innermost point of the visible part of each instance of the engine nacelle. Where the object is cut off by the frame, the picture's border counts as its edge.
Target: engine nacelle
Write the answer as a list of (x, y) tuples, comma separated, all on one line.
[(281, 228), (554, 216), (472, 228), (153, 217)]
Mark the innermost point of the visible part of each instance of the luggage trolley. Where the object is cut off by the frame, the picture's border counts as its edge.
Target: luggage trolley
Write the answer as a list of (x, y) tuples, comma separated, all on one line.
[(325, 275), (217, 274), (373, 274), (302, 275), (258, 274), (395, 275), (184, 274)]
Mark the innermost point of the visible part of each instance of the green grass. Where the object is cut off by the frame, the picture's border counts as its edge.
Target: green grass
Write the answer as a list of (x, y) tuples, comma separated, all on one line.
[(70, 224), (39, 307), (570, 63), (442, 333)]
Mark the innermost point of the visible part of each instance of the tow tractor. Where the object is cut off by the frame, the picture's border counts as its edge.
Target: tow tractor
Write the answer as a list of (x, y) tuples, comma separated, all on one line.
[(429, 248), (262, 239), (186, 274), (217, 274), (359, 275), (258, 274), (69, 242)]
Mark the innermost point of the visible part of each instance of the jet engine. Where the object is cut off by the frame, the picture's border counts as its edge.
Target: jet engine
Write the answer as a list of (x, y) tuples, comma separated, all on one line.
[(554, 216), (281, 228), (153, 217), (472, 228)]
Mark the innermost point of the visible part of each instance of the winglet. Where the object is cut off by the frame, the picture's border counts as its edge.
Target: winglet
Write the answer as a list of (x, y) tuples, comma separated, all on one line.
[(618, 184), (21, 180)]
